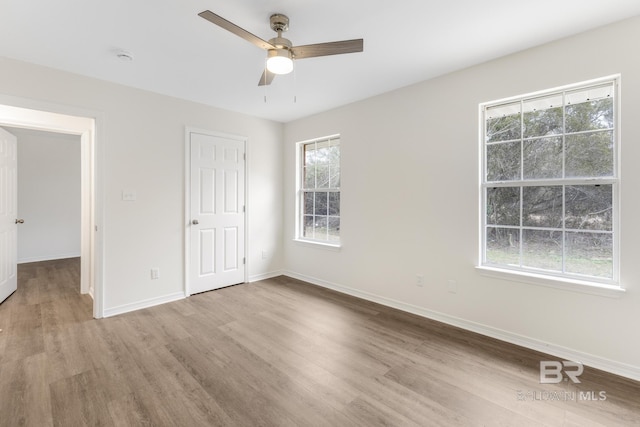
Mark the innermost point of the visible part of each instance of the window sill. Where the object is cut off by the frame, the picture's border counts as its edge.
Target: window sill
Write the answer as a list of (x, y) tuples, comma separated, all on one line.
[(318, 245), (565, 284)]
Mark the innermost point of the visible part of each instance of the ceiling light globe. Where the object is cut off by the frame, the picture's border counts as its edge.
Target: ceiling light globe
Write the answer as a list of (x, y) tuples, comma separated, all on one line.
[(279, 61)]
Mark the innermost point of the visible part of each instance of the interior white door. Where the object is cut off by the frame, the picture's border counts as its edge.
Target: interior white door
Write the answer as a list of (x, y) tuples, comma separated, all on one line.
[(8, 214), (217, 205)]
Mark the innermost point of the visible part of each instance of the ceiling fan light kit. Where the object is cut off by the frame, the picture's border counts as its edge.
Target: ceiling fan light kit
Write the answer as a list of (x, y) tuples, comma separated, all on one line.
[(280, 51), (279, 61)]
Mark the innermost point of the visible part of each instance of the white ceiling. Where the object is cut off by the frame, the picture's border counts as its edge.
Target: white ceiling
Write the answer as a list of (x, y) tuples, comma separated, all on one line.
[(180, 54)]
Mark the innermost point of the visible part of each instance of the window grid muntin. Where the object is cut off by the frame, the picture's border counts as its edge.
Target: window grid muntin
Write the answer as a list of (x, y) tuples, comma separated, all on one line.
[(613, 180)]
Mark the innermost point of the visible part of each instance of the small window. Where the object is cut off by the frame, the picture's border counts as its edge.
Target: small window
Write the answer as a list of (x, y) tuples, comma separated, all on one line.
[(319, 191), (550, 183)]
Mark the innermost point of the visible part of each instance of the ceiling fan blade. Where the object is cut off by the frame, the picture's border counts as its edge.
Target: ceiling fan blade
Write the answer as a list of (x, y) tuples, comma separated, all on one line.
[(266, 78), (230, 26), (330, 48)]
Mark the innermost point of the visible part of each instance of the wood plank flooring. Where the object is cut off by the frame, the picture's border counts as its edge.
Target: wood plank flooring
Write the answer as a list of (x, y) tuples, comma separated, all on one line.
[(273, 353)]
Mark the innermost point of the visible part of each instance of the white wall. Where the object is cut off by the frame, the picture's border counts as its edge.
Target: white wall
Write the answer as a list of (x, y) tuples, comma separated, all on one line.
[(410, 194), (143, 136), (48, 195)]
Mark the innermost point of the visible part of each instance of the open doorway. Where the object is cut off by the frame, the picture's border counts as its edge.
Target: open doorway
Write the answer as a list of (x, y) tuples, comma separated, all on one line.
[(84, 128), (49, 195)]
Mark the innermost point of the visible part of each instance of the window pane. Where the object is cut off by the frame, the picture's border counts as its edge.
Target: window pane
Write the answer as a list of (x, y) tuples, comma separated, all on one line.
[(542, 206), (322, 176), (334, 153), (334, 176), (308, 203), (323, 155), (503, 122), (542, 116), (309, 154), (503, 161), (503, 206), (589, 110), (590, 254), (307, 228), (320, 203), (334, 228), (320, 227), (542, 249), (309, 177), (503, 246), (589, 207), (589, 155), (334, 204), (543, 158)]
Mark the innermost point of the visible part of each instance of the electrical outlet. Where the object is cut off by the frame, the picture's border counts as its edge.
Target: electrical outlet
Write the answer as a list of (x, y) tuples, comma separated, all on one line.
[(155, 273), (264, 254), (129, 195), (420, 280)]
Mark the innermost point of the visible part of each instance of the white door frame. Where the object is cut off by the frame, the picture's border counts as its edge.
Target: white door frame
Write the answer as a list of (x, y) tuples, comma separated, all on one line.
[(29, 114), (187, 200)]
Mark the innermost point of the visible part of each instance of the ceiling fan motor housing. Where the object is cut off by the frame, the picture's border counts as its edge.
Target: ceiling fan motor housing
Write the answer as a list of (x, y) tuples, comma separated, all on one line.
[(281, 43), (279, 22)]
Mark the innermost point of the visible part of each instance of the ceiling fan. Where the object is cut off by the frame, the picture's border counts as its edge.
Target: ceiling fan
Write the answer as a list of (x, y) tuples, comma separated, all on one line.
[(280, 51)]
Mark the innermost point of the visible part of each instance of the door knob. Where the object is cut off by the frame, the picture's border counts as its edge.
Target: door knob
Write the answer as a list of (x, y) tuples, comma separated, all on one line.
[(19, 221), (195, 222)]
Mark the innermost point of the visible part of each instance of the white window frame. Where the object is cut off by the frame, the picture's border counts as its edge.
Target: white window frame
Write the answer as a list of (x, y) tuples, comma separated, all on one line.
[(562, 280), (300, 189)]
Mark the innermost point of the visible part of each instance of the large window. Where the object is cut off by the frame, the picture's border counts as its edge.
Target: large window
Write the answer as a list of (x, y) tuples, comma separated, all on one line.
[(319, 190), (549, 183)]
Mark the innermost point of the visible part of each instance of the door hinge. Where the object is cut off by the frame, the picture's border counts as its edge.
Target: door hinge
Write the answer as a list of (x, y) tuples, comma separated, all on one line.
[(244, 260), (244, 208), (244, 156)]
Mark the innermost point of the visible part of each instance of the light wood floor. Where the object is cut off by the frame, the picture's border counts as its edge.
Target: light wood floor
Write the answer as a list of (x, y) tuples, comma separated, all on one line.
[(274, 353)]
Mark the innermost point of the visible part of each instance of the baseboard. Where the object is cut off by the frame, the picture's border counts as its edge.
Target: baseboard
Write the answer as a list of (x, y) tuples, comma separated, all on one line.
[(611, 366), (48, 258), (264, 276), (126, 308)]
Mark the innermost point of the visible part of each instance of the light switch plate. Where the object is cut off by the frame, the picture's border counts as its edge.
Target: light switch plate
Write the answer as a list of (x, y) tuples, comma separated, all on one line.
[(129, 195)]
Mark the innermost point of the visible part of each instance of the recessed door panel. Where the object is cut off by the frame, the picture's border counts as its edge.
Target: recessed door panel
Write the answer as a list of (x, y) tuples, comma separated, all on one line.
[(230, 248), (207, 151), (231, 154), (207, 252), (231, 191), (207, 191)]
